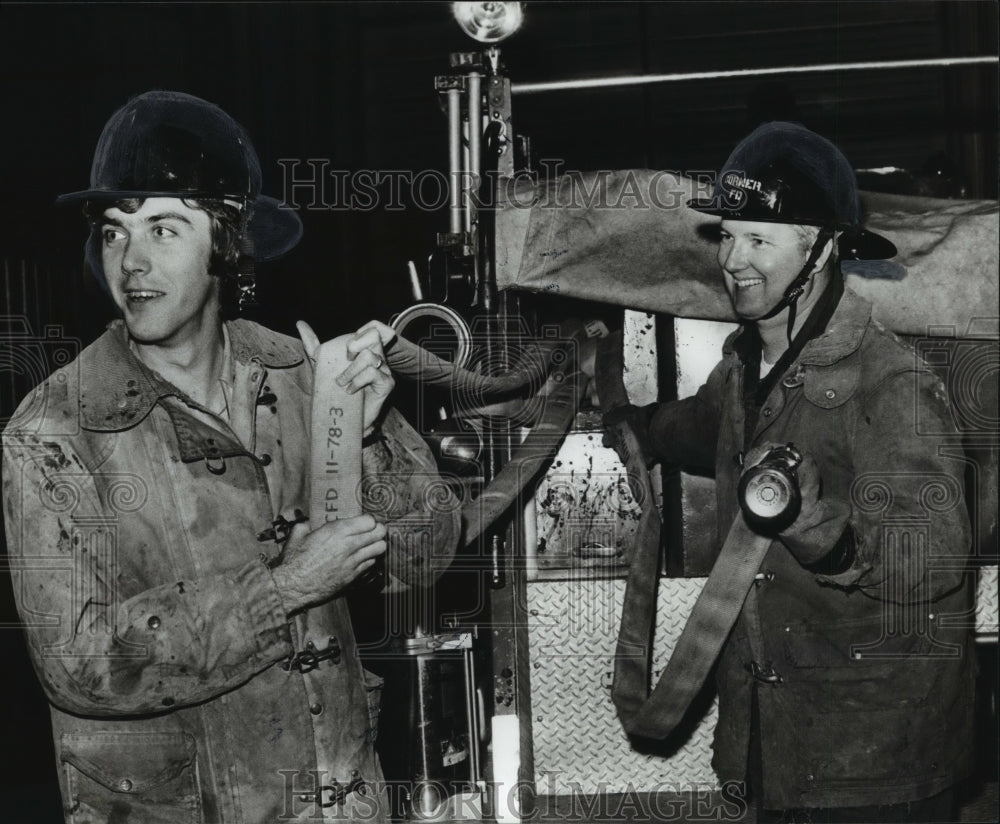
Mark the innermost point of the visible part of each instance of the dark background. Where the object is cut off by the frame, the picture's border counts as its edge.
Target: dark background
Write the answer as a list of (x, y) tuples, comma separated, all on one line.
[(352, 83)]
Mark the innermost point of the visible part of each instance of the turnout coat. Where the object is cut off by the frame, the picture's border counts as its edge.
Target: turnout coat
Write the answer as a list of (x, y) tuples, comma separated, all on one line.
[(141, 530), (864, 683)]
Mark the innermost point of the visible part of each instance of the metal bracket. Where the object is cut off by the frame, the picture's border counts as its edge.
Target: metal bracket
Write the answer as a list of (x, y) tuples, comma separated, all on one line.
[(310, 658), (443, 83), (281, 528), (338, 792), (445, 642)]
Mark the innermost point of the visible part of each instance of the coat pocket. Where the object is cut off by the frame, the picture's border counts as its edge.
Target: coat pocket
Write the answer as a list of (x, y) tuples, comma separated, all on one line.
[(862, 644), (135, 777)]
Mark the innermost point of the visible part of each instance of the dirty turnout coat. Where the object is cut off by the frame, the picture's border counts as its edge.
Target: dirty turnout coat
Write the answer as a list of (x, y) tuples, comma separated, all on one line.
[(140, 531), (863, 674)]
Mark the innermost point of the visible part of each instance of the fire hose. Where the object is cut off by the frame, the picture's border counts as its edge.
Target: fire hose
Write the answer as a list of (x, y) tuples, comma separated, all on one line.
[(337, 469), (565, 384), (657, 714)]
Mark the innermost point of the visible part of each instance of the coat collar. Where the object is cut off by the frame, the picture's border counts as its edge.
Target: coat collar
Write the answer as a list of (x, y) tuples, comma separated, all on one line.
[(843, 334), (117, 391)]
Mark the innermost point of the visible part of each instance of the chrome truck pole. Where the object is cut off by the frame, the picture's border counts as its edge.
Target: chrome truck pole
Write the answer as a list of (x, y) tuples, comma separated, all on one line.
[(451, 725), (473, 156), (447, 716), (455, 208)]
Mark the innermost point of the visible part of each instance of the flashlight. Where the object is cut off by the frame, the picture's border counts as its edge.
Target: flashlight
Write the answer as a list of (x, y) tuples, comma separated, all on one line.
[(769, 490)]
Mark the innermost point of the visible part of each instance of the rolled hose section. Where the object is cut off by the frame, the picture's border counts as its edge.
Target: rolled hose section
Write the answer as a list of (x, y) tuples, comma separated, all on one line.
[(540, 445), (530, 457), (407, 358), (533, 454)]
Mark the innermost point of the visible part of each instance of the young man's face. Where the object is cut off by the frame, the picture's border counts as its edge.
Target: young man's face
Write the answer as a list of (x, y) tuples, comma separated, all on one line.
[(759, 261), (156, 264)]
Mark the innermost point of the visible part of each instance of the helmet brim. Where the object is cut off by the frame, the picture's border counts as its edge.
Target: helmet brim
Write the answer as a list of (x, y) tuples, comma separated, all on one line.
[(275, 228), (860, 244)]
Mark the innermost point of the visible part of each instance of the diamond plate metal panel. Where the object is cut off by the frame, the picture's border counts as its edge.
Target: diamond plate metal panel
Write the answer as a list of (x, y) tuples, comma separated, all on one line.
[(987, 601), (579, 744)]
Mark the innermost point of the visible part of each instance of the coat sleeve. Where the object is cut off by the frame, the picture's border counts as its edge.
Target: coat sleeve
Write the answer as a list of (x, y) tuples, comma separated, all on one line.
[(98, 653), (403, 488), (685, 432), (905, 511)]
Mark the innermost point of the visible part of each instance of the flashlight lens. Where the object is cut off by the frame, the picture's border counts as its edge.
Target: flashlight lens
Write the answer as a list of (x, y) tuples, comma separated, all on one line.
[(768, 495)]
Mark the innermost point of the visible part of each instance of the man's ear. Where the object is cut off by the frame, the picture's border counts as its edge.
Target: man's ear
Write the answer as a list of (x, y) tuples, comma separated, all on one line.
[(824, 256)]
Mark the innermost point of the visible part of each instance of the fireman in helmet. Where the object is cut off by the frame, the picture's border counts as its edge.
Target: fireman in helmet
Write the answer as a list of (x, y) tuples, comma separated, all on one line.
[(845, 693), (197, 652)]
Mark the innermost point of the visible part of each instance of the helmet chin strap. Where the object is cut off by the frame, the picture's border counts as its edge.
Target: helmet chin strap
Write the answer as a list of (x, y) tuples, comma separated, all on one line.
[(798, 285), (246, 280)]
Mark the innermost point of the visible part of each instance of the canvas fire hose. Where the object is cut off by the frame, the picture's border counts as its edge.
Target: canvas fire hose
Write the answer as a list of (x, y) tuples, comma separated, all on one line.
[(337, 421), (564, 389), (337, 426), (656, 715)]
